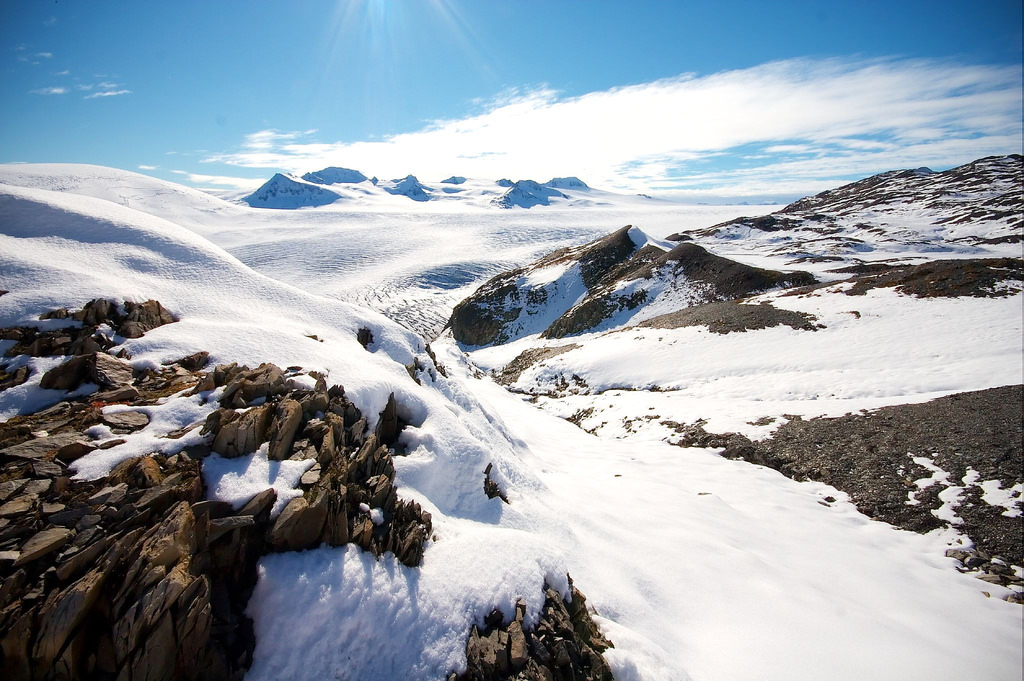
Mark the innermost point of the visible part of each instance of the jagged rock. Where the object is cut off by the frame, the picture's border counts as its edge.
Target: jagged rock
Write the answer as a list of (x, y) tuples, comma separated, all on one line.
[(41, 447), (143, 317), (16, 378), (195, 361), (248, 385), (365, 337), (110, 371), (96, 312), (387, 425), (96, 367), (287, 418), (66, 376), (42, 543), (298, 527), (237, 434), (491, 488), (565, 644)]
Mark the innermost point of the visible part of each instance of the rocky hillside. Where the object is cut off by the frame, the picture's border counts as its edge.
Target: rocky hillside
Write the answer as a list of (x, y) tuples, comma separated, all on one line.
[(962, 210), (620, 279), (139, 575)]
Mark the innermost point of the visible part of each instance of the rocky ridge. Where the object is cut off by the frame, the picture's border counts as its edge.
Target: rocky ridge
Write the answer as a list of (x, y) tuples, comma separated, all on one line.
[(611, 282), (966, 209)]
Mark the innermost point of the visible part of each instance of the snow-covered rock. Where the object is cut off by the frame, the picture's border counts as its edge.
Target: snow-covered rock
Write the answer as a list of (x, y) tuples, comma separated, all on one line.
[(288, 191), (454, 179)]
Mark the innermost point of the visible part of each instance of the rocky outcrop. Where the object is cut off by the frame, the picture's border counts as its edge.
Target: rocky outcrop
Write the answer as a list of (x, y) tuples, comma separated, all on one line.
[(349, 493), (565, 645), (732, 316), (137, 575), (605, 285), (976, 277), (128, 576)]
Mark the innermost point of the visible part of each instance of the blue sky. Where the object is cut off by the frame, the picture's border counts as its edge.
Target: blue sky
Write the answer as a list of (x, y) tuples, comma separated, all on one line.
[(717, 100)]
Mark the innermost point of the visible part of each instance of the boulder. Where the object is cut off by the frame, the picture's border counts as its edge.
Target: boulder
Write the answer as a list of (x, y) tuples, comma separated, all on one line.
[(298, 527), (237, 434), (109, 371), (126, 420), (66, 376), (143, 317), (287, 418)]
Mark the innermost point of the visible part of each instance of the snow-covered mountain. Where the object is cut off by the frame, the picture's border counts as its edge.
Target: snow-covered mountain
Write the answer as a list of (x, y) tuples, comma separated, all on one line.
[(566, 183), (407, 186), (335, 175), (348, 187), (962, 211), (288, 191), (527, 194), (618, 280)]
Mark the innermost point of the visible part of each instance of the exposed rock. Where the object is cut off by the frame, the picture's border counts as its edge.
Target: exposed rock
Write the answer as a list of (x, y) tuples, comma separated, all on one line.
[(979, 278), (565, 645), (239, 433), (43, 543), (621, 273), (365, 337), (388, 425), (126, 421), (110, 371), (66, 376), (143, 317), (510, 372), (491, 488), (286, 421), (246, 386), (195, 361), (732, 316), (14, 378), (298, 526)]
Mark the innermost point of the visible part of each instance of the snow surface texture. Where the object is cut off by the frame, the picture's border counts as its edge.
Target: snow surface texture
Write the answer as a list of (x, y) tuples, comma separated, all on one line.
[(698, 567)]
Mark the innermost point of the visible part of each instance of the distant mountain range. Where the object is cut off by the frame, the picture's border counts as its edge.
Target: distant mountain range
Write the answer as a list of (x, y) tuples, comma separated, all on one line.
[(334, 184)]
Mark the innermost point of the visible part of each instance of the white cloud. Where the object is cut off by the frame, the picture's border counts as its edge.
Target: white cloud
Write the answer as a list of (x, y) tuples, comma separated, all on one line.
[(873, 114), (50, 91), (107, 93), (220, 180), (44, 55), (143, 166)]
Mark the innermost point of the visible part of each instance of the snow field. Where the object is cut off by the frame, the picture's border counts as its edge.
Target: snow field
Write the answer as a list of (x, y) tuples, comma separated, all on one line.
[(699, 567)]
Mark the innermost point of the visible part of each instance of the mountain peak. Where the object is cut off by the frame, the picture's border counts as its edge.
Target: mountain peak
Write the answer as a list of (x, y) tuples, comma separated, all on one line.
[(335, 175)]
